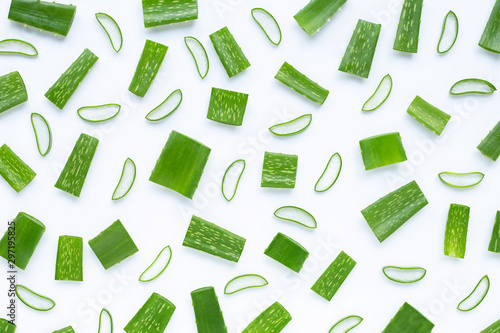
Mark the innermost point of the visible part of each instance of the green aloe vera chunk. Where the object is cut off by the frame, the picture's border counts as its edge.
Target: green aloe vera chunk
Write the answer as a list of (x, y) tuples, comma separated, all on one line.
[(152, 317), (15, 172), (409, 320), (279, 170), (68, 329), (428, 115), (6, 326), (490, 39), (317, 13), (287, 251), (334, 276), (69, 262), (495, 235), (12, 91), (409, 27), (161, 12), (149, 64), (207, 311), (455, 238), (490, 145), (271, 320), (381, 150), (227, 107), (229, 52)]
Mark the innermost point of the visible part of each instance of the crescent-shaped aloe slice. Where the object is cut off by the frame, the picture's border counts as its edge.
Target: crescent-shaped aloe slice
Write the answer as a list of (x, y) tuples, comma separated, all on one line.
[(33, 300), (43, 135), (346, 324), (6, 326), (160, 12), (380, 95), (334, 276), (330, 174), (167, 107), (112, 29), (462, 180), (489, 39), (105, 322), (279, 170), (229, 52), (455, 238), (317, 13), (408, 32), (231, 179), (12, 91), (490, 145), (404, 274), (126, 181), (297, 81), (296, 215), (243, 282), (476, 296), (472, 86), (292, 127), (152, 317), (158, 266), (407, 320), (98, 113), (68, 329), (449, 33), (17, 46), (199, 54), (15, 172), (268, 24), (271, 320)]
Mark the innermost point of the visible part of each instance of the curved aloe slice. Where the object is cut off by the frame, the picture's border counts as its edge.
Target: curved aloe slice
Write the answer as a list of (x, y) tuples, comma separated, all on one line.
[(12, 91), (292, 127), (17, 46), (43, 135), (490, 145), (112, 29), (456, 179), (476, 296), (489, 39), (449, 33), (105, 322), (404, 274), (126, 181), (296, 215), (158, 266), (33, 300), (494, 245), (380, 95), (268, 24), (167, 107), (346, 324), (317, 13), (199, 54), (330, 174), (231, 179), (243, 282), (98, 113), (472, 86)]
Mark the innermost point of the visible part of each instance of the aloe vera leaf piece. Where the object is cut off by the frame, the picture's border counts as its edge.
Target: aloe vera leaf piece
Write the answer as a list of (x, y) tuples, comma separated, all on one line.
[(15, 172), (159, 12), (490, 145), (409, 27), (12, 91), (334, 276), (316, 14), (69, 262), (461, 180), (380, 95), (346, 324), (287, 252), (17, 46), (404, 274), (67, 329), (209, 318), (279, 170), (245, 281), (6, 326), (159, 265), (292, 127), (493, 328), (227, 107), (199, 54), (330, 174), (490, 39), (381, 150), (167, 107), (33, 300), (476, 296), (152, 317), (98, 113), (472, 86), (428, 115), (126, 181), (494, 245), (296, 215), (409, 320), (43, 134), (229, 52), (268, 24), (271, 320), (449, 33), (105, 322), (231, 179), (455, 239), (112, 30)]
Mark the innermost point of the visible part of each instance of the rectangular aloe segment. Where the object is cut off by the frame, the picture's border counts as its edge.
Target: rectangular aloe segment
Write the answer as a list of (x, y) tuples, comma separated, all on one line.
[(12, 91), (210, 238), (389, 213), (69, 261), (495, 236), (6, 326), (77, 167), (279, 170), (272, 320), (66, 85), (229, 52), (68, 329), (359, 54), (287, 251), (493, 328), (207, 311), (409, 27), (152, 317), (428, 115), (161, 12), (334, 276), (409, 320), (317, 13), (381, 150), (490, 145), (181, 164), (15, 172), (455, 238), (490, 39), (227, 107), (297, 81)]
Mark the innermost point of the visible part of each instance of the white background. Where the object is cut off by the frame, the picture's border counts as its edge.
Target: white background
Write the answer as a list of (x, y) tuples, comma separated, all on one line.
[(156, 217)]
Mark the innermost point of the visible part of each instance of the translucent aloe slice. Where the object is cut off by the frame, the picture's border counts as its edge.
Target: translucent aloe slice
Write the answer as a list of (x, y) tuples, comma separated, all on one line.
[(472, 86), (112, 29), (199, 54), (268, 24), (98, 113), (456, 179), (330, 174), (158, 266), (43, 135), (17, 46), (126, 181), (167, 107), (243, 282), (380, 95), (292, 127), (231, 179), (476, 296), (449, 33), (404, 274), (105, 322), (33, 300), (296, 215), (346, 324)]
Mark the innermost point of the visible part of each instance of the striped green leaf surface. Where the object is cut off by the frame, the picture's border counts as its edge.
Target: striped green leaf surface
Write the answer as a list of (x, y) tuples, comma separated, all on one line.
[(161, 12), (455, 238), (409, 27), (490, 39), (381, 150), (227, 107), (279, 170), (69, 260), (12, 91), (428, 115), (229, 52), (334, 276), (317, 13), (409, 320), (490, 145), (207, 311), (495, 235), (15, 172), (287, 252), (152, 317), (271, 320)]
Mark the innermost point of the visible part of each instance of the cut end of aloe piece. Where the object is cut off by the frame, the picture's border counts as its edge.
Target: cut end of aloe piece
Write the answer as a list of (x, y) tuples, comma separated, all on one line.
[(292, 127), (158, 266), (12, 91), (490, 145), (463, 180), (112, 29), (126, 181), (296, 215), (476, 296), (199, 54), (428, 115), (98, 113), (167, 107), (243, 282), (346, 324), (287, 252), (231, 179), (105, 322), (300, 83), (17, 46), (268, 24), (330, 174), (404, 274), (33, 300), (380, 95), (43, 135), (382, 150), (449, 33), (279, 170), (472, 86)]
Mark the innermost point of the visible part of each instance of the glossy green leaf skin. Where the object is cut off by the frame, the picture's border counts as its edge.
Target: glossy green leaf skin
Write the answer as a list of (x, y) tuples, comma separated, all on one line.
[(279, 170), (428, 115), (77, 167), (69, 262), (160, 12), (12, 91), (317, 13), (287, 251), (62, 90), (409, 320), (149, 64), (48, 16), (495, 236), (229, 52), (359, 54), (181, 164), (409, 27), (381, 150), (15, 172), (68, 329), (212, 239), (390, 212), (493, 328), (490, 39), (271, 320), (113, 245), (490, 145), (152, 317), (227, 107), (455, 238), (6, 326), (207, 311), (334, 276)]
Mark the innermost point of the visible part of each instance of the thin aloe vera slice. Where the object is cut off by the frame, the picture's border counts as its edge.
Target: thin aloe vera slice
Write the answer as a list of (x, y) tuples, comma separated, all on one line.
[(462, 180), (34, 300), (159, 12), (98, 113), (404, 274), (210, 238), (476, 296), (167, 107), (330, 174), (455, 238), (17, 46), (381, 150), (346, 324), (48, 16), (243, 282), (292, 127), (181, 164), (409, 27), (334, 276), (207, 311), (494, 245), (15, 172), (158, 266), (428, 115), (359, 54), (112, 29), (490, 39), (149, 64), (6, 326), (231, 179), (12, 91), (296, 215), (69, 262), (297, 81), (105, 322), (287, 252), (380, 95), (317, 13), (152, 317), (279, 170), (408, 319), (271, 320), (43, 135), (67, 329), (389, 213), (472, 86), (126, 181), (113, 245), (490, 145), (268, 24), (229, 52), (199, 54), (75, 170), (449, 33), (227, 107)]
